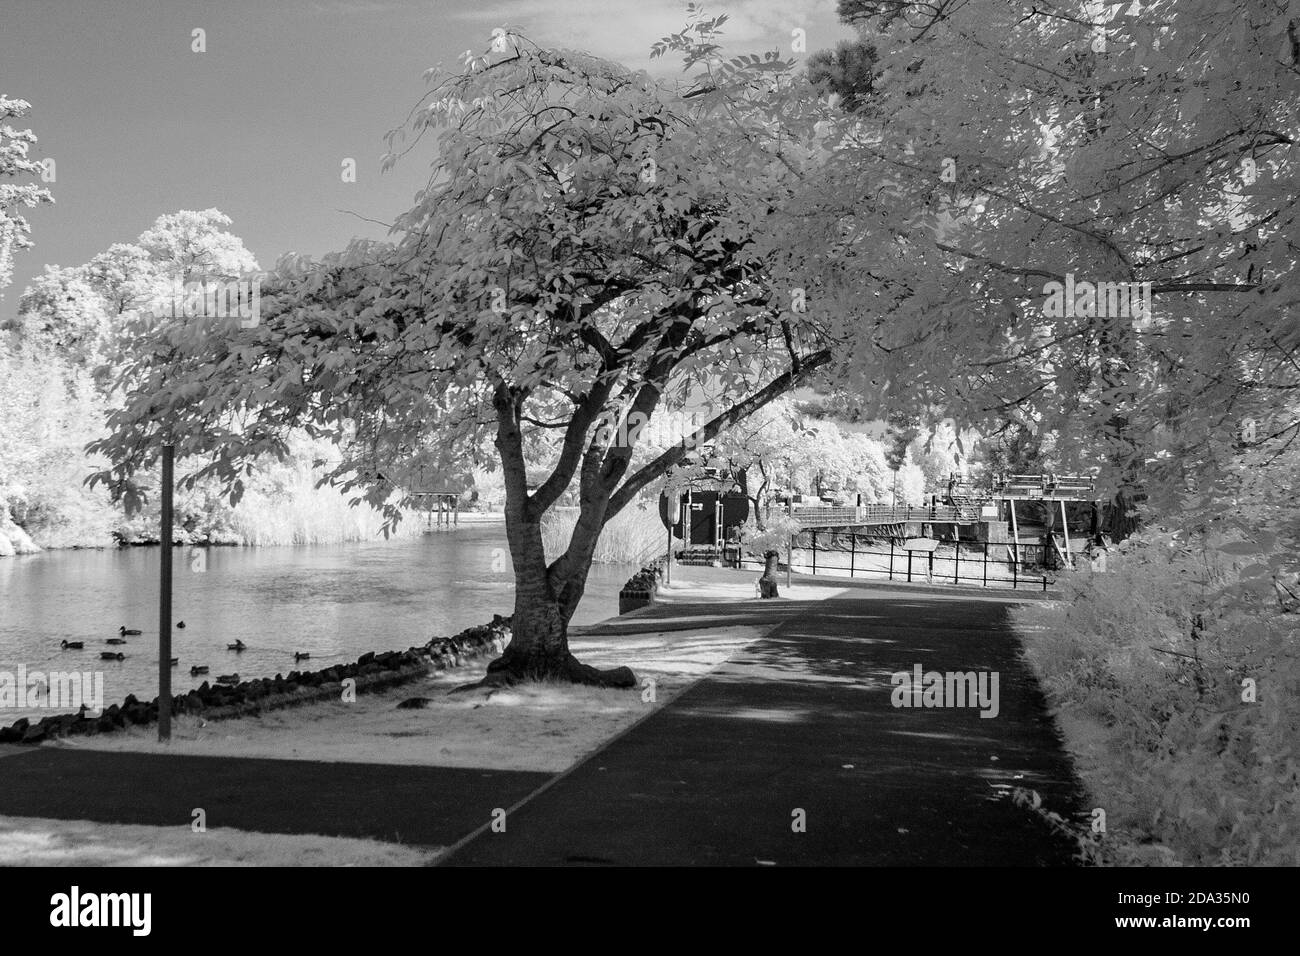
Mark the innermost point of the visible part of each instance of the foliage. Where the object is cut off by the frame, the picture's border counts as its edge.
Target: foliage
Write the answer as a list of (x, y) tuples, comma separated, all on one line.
[(1146, 669), (15, 231), (776, 534), (1143, 143)]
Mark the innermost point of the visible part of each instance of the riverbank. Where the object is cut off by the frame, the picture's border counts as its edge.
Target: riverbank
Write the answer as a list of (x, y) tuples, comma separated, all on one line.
[(745, 709), (334, 602), (15, 541), (544, 726)]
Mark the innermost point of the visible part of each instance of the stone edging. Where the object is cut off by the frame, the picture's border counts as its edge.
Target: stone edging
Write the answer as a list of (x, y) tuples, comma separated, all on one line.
[(372, 672)]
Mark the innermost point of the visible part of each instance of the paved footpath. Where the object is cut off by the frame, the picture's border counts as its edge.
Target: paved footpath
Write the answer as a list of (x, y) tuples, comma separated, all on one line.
[(802, 720), (799, 720)]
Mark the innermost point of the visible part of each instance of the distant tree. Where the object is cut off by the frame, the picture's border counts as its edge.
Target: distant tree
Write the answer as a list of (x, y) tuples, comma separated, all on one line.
[(15, 231), (849, 71), (76, 310), (757, 451)]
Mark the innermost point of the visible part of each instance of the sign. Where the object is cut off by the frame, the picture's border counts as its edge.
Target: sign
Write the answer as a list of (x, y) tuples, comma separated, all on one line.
[(920, 544), (669, 520), (989, 511)]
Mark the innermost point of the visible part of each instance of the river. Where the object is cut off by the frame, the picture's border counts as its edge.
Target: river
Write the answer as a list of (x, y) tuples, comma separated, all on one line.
[(334, 602)]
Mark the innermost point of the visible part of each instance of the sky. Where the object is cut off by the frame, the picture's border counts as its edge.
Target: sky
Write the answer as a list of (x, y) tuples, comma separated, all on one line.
[(259, 125)]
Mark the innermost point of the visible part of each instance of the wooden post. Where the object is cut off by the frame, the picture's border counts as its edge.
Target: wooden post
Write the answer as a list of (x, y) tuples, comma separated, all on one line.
[(165, 600), (789, 556), (455, 510)]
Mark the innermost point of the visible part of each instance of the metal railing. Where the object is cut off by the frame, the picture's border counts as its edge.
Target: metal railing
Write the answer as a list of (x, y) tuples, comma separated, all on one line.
[(887, 514), (853, 555)]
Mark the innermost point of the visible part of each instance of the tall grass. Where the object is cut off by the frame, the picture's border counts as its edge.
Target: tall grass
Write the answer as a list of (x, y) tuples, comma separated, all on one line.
[(304, 514), (630, 535)]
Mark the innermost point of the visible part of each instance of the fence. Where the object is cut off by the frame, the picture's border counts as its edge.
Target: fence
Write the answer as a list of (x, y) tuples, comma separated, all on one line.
[(856, 555), (888, 514)]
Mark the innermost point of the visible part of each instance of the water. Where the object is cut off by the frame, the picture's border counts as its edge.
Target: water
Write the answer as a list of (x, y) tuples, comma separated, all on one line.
[(334, 602)]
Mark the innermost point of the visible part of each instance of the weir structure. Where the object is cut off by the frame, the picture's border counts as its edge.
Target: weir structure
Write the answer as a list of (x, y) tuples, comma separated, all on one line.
[(445, 505)]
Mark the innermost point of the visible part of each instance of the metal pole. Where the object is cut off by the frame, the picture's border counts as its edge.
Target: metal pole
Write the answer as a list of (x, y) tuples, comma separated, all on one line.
[(853, 551), (956, 563), (1015, 528), (789, 556), (165, 601), (986, 564), (909, 567), (668, 561), (814, 552), (891, 559), (1065, 527)]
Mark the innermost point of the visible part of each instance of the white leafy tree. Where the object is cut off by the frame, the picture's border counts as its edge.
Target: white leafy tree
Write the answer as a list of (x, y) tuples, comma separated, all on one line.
[(15, 145)]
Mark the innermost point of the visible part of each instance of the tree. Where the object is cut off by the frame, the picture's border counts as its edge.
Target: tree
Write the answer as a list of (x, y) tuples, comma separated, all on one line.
[(756, 450), (849, 71), (76, 311), (1127, 144), (589, 245), (15, 231)]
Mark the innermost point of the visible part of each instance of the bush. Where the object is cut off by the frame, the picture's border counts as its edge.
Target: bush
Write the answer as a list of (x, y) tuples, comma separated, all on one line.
[(1149, 668)]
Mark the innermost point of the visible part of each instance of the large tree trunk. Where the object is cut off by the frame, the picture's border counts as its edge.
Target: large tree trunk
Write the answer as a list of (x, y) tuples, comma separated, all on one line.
[(545, 597)]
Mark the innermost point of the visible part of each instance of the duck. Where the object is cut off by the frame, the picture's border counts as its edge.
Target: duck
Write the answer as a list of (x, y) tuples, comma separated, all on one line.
[(228, 679), (110, 656), (115, 640), (73, 645), (180, 625), (237, 646), (124, 630), (196, 670), (299, 656)]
